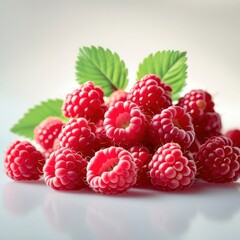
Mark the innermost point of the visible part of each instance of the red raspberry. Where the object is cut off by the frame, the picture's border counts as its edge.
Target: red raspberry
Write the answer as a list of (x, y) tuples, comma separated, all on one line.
[(170, 170), (191, 152), (234, 135), (111, 171), (207, 125), (124, 123), (65, 169), (196, 102), (141, 157), (47, 132), (23, 162), (79, 135), (218, 161), (117, 96), (86, 101), (56, 146), (172, 125), (151, 94), (103, 139)]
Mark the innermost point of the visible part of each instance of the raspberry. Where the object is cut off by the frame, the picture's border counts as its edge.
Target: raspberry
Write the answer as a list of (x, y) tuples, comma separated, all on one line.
[(141, 157), (234, 135), (47, 132), (86, 101), (79, 135), (172, 125), (196, 102), (124, 123), (191, 152), (111, 171), (207, 125), (117, 96), (218, 161), (151, 95), (65, 169), (103, 139), (170, 170), (23, 162)]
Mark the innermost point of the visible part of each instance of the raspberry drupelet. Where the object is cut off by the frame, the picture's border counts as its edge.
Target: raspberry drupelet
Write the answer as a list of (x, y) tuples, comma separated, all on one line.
[(218, 161), (124, 123), (65, 169), (151, 94), (86, 101), (170, 170), (172, 125), (23, 162), (111, 171), (47, 132)]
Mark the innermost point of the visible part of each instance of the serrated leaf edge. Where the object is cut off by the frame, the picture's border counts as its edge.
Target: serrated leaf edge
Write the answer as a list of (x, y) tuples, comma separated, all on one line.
[(14, 127)]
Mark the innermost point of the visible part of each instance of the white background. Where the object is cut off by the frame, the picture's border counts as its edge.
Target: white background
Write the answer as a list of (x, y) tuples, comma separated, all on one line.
[(39, 42)]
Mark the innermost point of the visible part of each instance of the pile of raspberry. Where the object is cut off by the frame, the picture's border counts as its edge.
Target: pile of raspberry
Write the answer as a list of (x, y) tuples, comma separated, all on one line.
[(135, 139)]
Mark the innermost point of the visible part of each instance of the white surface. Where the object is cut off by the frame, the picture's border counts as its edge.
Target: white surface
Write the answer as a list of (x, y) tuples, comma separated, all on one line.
[(34, 211), (39, 41)]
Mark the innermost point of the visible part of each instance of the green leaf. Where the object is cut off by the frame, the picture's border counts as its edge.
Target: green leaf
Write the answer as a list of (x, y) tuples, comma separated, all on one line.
[(35, 115), (170, 66), (102, 67)]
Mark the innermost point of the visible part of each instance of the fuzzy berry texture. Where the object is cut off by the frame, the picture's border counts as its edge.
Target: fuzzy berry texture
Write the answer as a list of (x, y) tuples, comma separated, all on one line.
[(111, 171), (151, 94), (23, 162), (170, 170), (65, 169), (141, 157), (86, 101), (196, 102), (79, 135), (218, 161), (47, 132), (207, 125), (124, 123), (117, 96), (172, 125), (234, 135)]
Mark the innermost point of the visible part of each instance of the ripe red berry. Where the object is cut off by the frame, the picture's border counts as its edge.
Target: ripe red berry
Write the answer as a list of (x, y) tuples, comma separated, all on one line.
[(124, 123), (111, 171), (86, 101), (23, 162), (65, 170), (234, 135), (196, 102), (47, 132), (207, 125), (141, 157), (151, 94), (191, 152), (170, 170), (117, 96), (103, 139), (172, 125), (218, 161), (79, 135)]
